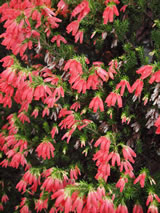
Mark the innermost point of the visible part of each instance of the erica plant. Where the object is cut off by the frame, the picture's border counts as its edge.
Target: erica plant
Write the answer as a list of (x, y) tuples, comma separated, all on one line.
[(79, 100)]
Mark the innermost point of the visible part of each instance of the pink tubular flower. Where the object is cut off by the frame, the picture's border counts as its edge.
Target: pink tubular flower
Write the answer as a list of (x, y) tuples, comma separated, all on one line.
[(113, 66), (127, 166), (32, 178), (115, 158), (112, 98), (121, 183), (78, 205), (102, 74), (45, 112), (137, 208), (4, 198), (41, 204), (123, 9), (7, 61), (128, 153), (82, 9), (107, 206), (21, 185), (152, 208), (35, 113), (54, 131), (59, 92), (123, 84), (109, 12), (48, 184), (73, 27), (138, 86), (80, 85), (121, 209), (75, 106), (104, 143), (45, 150), (69, 134), (149, 199), (155, 77), (145, 71), (92, 82), (157, 124), (1, 207), (96, 103), (25, 209), (79, 36), (58, 39), (23, 117), (140, 178), (63, 7), (74, 172)]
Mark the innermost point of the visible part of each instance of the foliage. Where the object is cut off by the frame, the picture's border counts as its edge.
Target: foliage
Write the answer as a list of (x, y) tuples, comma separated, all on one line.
[(79, 95)]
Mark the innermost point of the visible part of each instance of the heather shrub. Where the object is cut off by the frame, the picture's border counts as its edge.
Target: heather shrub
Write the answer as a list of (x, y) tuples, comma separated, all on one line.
[(79, 99)]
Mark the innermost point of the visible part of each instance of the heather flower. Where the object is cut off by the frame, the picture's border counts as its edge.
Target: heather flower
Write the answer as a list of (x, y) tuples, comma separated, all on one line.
[(25, 209), (109, 13), (1, 207), (54, 131), (92, 82), (63, 7), (73, 27), (104, 143), (17, 159), (112, 98), (152, 208), (123, 84), (121, 208), (23, 117), (82, 9), (126, 165), (32, 178), (145, 71), (75, 106), (7, 61), (58, 39), (68, 134), (21, 185), (41, 204), (115, 158), (137, 208), (102, 74), (58, 92), (113, 65), (45, 112), (4, 198), (141, 179), (45, 150), (79, 36), (37, 17), (80, 85), (121, 183), (4, 163), (78, 204), (123, 8), (96, 103), (155, 77), (128, 153), (107, 206), (74, 172), (138, 86), (149, 199), (35, 113)]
